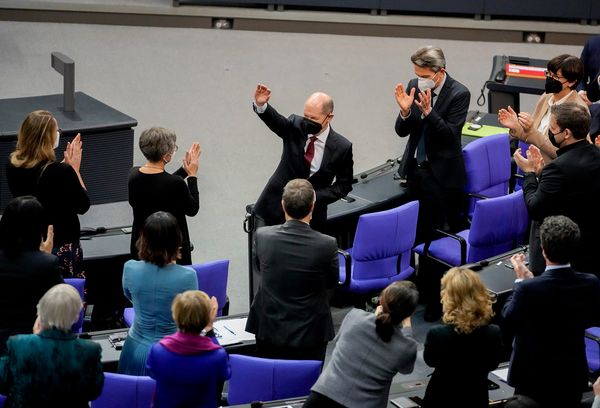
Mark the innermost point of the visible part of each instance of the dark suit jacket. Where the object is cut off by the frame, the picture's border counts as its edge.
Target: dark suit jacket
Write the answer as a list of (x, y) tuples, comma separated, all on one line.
[(462, 362), (590, 56), (570, 186), (337, 163), (547, 315), (442, 130), (24, 279), (51, 369), (297, 266)]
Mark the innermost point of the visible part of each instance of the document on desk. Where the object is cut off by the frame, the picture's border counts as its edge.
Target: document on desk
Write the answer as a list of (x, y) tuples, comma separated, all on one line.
[(232, 331), (501, 373)]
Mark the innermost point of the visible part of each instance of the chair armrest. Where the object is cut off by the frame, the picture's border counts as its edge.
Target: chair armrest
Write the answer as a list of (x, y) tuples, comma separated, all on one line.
[(475, 195), (461, 241), (593, 337), (348, 264)]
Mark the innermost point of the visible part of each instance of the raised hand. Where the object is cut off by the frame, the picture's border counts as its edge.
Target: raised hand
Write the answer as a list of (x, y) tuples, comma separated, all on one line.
[(261, 95), (73, 153), (536, 159), (191, 161), (46, 246), (404, 100), (525, 120), (508, 118), (424, 102), (214, 307), (518, 263), (524, 164)]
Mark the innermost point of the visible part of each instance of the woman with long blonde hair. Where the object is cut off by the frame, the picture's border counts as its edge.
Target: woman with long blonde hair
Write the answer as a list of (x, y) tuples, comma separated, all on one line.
[(33, 170), (466, 348)]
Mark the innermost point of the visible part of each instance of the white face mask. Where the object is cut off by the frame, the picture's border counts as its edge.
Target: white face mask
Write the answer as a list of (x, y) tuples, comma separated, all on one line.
[(57, 140), (426, 83)]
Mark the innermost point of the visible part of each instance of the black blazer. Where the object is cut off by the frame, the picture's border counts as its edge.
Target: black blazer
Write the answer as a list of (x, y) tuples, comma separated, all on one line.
[(23, 281), (337, 164), (297, 266), (547, 316), (462, 362), (442, 130), (570, 186)]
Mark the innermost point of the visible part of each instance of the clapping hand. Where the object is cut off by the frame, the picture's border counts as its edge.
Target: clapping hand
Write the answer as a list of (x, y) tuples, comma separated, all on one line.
[(214, 307), (518, 263), (508, 118), (534, 163), (404, 100), (46, 246), (261, 95), (72, 155), (525, 120), (191, 161), (424, 102)]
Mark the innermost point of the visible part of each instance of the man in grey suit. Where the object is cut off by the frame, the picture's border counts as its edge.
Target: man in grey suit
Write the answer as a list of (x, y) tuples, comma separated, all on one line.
[(290, 314)]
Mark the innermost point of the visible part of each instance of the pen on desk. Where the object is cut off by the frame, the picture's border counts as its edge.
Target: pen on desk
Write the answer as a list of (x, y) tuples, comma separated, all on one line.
[(228, 329)]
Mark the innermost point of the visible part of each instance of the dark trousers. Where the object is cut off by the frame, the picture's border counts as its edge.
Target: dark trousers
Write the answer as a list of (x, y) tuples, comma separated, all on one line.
[(265, 349), (439, 206), (316, 400)]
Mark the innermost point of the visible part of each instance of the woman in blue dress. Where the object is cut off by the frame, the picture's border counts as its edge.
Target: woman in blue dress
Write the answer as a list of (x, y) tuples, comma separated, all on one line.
[(151, 284)]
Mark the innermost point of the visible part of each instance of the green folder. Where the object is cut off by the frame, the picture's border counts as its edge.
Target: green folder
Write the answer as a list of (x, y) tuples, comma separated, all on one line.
[(484, 131)]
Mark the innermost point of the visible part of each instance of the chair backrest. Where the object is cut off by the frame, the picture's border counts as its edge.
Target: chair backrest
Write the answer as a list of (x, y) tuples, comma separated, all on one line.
[(487, 164), (519, 181), (212, 279), (261, 379), (499, 224), (125, 391), (2, 400), (592, 349), (79, 284), (380, 238)]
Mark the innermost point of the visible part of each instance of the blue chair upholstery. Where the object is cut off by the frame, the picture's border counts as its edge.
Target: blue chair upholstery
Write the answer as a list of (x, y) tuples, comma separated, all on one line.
[(487, 164), (519, 175), (125, 391), (79, 284), (261, 379), (190, 381), (2, 400), (381, 252), (212, 279), (592, 349), (499, 224)]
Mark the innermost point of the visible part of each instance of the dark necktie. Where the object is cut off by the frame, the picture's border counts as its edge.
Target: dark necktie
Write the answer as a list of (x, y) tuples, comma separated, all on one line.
[(421, 155), (309, 154)]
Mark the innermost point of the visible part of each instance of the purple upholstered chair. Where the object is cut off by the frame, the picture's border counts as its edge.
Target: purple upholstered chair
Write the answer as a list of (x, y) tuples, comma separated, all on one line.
[(592, 349), (190, 381), (499, 224), (519, 175), (212, 279), (78, 284), (381, 252), (487, 164), (125, 391), (261, 379), (2, 400)]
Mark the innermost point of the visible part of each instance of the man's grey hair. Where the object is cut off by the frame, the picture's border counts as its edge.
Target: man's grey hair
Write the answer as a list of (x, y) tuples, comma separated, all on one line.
[(429, 57), (60, 307), (156, 142)]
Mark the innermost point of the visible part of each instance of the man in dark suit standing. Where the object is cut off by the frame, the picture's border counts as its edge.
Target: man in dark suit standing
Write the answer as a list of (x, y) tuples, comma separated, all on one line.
[(433, 109), (290, 314), (312, 150), (569, 185), (547, 316)]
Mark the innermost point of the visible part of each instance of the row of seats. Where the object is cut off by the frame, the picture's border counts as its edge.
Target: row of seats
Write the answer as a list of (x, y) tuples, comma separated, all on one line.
[(252, 379)]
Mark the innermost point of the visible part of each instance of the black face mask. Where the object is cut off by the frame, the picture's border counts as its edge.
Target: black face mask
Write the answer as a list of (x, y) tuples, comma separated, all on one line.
[(310, 127), (552, 85), (552, 138)]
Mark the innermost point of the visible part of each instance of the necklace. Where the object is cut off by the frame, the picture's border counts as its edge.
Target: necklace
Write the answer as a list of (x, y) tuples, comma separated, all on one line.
[(153, 167)]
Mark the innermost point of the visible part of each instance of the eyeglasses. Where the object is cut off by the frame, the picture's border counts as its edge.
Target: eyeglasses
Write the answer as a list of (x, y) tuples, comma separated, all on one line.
[(553, 75)]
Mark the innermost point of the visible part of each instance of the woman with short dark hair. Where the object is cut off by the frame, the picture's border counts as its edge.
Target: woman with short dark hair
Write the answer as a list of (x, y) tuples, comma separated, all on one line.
[(33, 170), (27, 269), (152, 189), (151, 284), (371, 349), (466, 348), (189, 366)]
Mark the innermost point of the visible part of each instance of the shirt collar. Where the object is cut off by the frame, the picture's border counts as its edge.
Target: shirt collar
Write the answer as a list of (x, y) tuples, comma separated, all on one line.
[(551, 101), (441, 85), (323, 136), (552, 267)]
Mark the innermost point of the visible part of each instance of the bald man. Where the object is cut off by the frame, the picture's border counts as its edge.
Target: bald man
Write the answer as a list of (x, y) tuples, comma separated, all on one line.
[(312, 150)]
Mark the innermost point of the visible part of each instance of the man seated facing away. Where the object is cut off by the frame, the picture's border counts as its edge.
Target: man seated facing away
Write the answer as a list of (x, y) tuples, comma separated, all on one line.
[(290, 314), (548, 315)]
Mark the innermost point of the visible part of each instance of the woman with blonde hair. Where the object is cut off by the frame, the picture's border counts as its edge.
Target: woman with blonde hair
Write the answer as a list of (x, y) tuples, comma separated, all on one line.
[(33, 170), (466, 348), (189, 366)]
